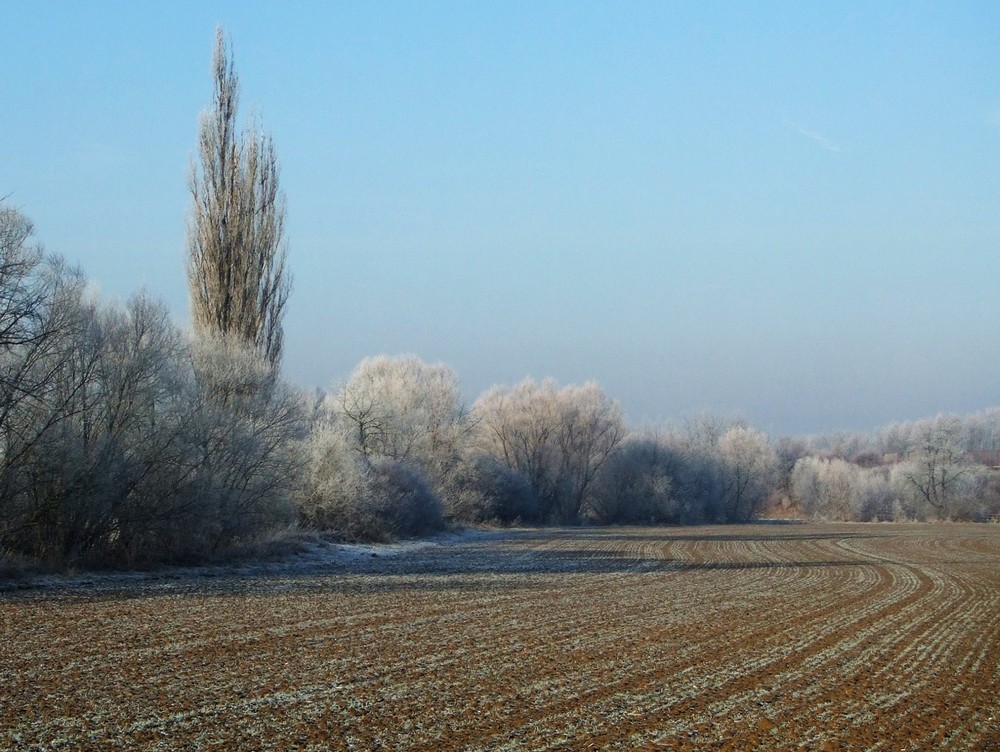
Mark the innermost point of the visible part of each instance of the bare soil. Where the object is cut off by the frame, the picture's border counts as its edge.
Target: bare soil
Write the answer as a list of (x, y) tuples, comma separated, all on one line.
[(771, 637)]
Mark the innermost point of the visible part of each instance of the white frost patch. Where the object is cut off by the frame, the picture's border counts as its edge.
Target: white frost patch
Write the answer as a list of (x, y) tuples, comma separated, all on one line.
[(352, 551)]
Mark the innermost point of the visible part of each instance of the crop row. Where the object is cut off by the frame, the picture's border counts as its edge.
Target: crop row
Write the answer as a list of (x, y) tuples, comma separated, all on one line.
[(771, 637)]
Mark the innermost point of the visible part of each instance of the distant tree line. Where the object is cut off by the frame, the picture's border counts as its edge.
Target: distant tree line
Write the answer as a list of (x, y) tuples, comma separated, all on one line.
[(126, 442), (946, 467)]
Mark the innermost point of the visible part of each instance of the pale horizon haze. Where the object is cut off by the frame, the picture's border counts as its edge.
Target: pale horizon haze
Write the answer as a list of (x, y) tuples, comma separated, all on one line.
[(783, 210)]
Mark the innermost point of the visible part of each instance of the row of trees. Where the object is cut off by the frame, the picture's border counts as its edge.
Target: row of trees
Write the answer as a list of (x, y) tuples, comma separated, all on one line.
[(540, 454), (122, 440), (938, 468), (533, 453), (125, 441), (528, 453)]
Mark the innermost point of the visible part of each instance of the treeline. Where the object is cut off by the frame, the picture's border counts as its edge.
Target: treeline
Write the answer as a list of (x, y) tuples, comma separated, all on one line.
[(121, 440), (125, 442), (393, 451), (938, 468)]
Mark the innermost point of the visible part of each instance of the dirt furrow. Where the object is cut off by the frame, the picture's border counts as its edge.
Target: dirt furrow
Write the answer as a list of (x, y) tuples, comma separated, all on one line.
[(754, 637)]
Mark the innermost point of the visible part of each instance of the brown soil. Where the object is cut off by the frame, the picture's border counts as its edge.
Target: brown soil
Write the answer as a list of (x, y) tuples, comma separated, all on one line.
[(772, 637)]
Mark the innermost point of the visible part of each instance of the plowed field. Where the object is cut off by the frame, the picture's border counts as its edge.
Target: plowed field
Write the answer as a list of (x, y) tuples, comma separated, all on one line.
[(865, 637)]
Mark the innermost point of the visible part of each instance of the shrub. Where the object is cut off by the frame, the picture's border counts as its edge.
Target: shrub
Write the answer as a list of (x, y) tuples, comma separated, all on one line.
[(635, 486), (358, 498), (483, 489)]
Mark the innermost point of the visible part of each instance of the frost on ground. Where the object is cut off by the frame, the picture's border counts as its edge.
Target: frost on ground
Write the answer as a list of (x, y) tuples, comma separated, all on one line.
[(850, 637), (312, 556)]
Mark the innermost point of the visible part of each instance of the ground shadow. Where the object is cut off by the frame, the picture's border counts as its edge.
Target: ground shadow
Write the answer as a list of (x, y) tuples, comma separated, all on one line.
[(512, 559)]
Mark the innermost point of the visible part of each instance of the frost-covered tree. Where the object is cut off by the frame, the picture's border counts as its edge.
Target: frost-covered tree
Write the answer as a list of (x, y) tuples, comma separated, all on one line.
[(120, 441), (362, 498), (404, 409), (750, 471), (876, 501), (384, 450), (237, 276), (827, 487), (834, 489), (41, 319), (636, 485), (936, 468), (246, 432), (559, 439), (982, 430), (483, 489), (517, 427)]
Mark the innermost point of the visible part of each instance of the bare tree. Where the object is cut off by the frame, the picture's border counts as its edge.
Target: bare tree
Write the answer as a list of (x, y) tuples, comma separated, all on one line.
[(590, 429), (517, 426), (247, 431), (40, 315), (750, 466), (559, 439), (936, 466), (828, 487), (636, 485), (383, 450), (402, 408), (237, 276)]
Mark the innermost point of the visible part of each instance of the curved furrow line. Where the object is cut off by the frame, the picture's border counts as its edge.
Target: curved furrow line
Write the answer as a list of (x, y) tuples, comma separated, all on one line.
[(971, 697), (931, 707), (651, 677), (852, 674), (762, 671), (771, 638), (683, 687), (903, 628)]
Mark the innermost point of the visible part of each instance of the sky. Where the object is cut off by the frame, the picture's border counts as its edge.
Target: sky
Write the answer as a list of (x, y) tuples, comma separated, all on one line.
[(786, 211)]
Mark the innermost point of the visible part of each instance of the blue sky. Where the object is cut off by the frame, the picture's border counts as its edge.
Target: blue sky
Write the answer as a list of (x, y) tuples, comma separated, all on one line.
[(789, 211)]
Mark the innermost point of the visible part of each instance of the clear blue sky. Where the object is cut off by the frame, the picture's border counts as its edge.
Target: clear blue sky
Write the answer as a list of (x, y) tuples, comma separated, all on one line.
[(786, 210)]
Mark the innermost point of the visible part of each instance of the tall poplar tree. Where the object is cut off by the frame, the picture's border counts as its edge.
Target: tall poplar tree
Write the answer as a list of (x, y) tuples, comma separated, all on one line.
[(237, 276)]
